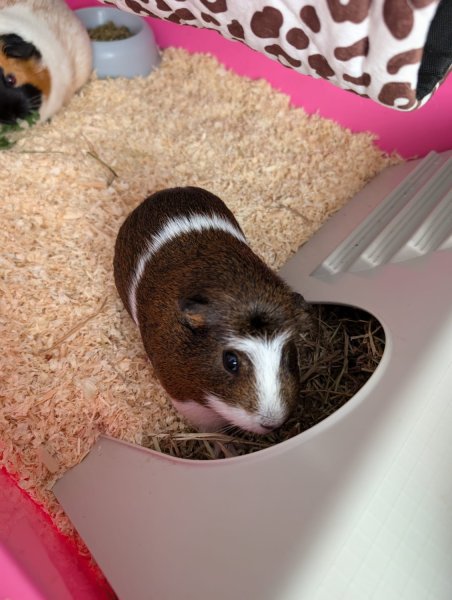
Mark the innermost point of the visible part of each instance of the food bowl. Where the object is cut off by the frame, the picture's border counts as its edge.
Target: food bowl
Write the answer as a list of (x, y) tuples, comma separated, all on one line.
[(133, 56)]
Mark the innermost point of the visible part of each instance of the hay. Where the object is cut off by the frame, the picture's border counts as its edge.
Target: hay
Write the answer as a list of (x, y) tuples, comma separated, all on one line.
[(340, 354), (72, 364)]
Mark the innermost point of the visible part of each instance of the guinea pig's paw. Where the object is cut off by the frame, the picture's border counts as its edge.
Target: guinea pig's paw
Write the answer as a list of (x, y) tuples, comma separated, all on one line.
[(202, 417)]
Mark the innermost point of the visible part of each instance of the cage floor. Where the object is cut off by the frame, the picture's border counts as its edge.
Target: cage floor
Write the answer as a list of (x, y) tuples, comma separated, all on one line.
[(72, 364)]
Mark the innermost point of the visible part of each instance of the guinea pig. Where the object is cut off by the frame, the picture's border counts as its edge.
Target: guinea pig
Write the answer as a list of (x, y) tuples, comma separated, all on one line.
[(45, 57), (216, 322)]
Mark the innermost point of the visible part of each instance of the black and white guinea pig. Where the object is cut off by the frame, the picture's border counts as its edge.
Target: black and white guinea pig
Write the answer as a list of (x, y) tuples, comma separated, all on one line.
[(45, 57), (217, 323)]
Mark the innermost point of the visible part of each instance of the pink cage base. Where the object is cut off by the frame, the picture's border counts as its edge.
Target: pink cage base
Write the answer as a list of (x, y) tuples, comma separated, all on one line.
[(36, 561)]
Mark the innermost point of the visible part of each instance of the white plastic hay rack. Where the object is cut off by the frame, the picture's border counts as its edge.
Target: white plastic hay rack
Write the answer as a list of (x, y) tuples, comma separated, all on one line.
[(359, 506)]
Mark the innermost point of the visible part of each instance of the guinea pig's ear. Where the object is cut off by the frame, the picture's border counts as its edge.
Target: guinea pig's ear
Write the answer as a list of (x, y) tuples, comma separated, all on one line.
[(299, 301), (14, 46), (195, 311)]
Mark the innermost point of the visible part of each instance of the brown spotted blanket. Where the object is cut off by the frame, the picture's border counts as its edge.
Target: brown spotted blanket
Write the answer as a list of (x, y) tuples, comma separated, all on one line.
[(395, 52)]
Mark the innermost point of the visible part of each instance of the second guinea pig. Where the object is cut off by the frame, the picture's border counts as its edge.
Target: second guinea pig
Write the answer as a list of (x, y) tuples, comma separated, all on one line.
[(216, 322), (45, 57)]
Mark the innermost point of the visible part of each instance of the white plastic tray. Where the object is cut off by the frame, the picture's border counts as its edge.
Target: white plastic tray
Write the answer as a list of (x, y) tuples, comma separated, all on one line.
[(359, 506)]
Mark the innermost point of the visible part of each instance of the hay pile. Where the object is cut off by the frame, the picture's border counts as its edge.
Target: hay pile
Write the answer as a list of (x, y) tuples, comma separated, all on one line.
[(336, 359), (72, 363)]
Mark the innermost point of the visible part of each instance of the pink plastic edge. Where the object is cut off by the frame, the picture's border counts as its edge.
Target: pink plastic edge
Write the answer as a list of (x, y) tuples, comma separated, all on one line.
[(15, 583), (36, 562), (411, 134)]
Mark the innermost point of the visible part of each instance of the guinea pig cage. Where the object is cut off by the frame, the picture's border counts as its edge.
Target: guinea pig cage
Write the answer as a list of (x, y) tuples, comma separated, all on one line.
[(359, 505)]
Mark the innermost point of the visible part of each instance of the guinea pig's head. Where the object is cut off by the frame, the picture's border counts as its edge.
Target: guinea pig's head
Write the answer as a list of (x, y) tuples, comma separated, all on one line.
[(239, 358), (24, 81)]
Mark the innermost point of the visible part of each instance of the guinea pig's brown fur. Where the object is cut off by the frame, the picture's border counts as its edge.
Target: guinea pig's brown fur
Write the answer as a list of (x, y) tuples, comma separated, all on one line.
[(217, 323), (25, 71)]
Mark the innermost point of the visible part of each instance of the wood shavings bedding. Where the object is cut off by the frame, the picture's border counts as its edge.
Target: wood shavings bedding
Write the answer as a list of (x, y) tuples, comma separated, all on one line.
[(72, 364)]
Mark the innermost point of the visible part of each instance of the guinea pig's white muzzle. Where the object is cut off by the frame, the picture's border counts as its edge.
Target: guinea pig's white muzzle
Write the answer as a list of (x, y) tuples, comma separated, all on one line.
[(265, 354), (248, 421)]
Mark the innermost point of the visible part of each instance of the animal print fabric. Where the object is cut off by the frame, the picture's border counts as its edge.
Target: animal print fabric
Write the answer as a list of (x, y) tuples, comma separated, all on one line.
[(370, 47)]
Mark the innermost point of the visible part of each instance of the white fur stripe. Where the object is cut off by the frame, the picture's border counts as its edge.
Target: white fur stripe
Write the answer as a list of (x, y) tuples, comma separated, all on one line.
[(170, 231), (265, 355)]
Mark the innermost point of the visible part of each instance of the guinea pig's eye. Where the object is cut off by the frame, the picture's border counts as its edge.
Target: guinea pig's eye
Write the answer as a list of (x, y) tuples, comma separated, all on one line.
[(230, 361), (10, 80)]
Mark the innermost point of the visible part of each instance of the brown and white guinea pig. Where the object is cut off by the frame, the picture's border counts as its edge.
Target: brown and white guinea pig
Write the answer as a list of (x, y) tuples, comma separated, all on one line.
[(45, 57), (217, 323)]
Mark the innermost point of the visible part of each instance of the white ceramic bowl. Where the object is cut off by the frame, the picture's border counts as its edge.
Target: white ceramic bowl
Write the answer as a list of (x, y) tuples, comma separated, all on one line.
[(135, 56)]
